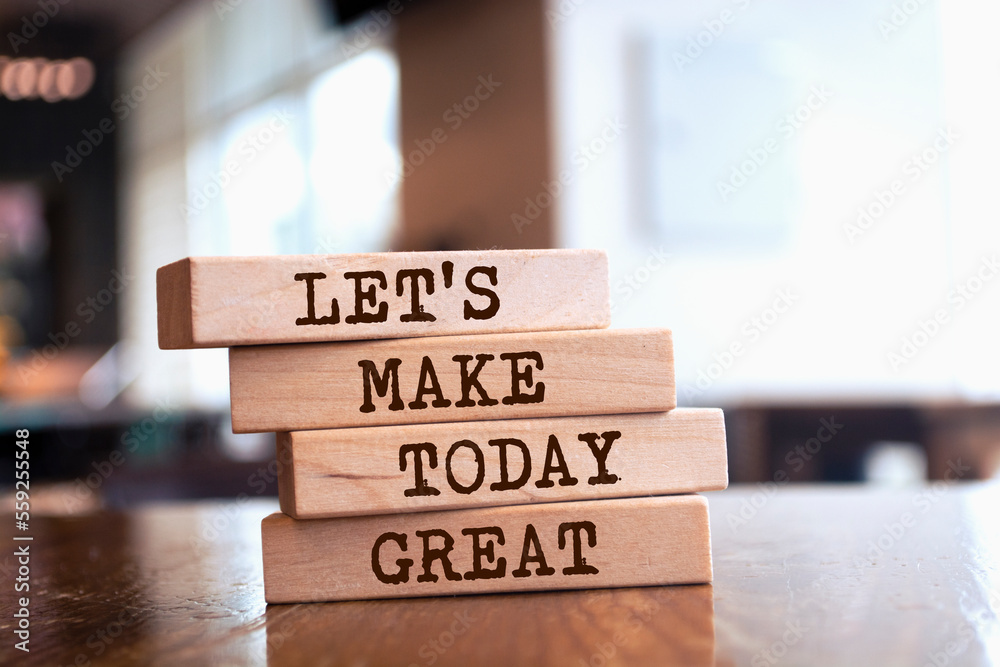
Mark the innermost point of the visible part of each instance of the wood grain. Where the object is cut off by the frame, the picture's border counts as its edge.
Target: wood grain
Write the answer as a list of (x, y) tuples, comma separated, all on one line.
[(181, 584), (360, 471), (581, 544), (227, 301), (322, 385)]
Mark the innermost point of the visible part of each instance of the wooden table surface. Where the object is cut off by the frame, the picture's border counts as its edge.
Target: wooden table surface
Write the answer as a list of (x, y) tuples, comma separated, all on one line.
[(803, 576)]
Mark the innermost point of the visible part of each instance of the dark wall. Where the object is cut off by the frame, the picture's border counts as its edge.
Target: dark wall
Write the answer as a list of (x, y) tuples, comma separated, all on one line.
[(80, 201)]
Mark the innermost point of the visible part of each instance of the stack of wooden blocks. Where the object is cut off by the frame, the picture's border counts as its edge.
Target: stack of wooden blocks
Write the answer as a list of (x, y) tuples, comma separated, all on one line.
[(454, 422)]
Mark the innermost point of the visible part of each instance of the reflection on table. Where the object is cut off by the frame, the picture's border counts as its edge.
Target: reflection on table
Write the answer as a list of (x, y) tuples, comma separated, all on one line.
[(807, 575)]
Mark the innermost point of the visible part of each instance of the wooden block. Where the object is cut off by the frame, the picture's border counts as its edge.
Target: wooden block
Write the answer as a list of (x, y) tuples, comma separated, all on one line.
[(361, 471), (450, 378), (227, 301), (580, 544)]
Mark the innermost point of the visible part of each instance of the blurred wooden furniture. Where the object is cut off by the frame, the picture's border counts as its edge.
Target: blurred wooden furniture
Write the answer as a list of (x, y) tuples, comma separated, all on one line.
[(475, 135), (775, 441), (803, 575)]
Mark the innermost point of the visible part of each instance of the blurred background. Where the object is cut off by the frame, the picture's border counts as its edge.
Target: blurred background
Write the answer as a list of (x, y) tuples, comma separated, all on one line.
[(804, 193)]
